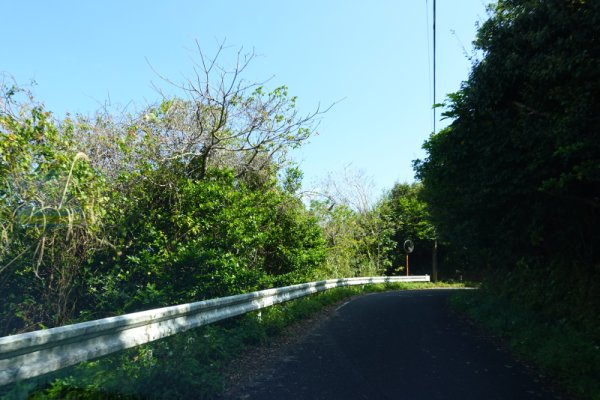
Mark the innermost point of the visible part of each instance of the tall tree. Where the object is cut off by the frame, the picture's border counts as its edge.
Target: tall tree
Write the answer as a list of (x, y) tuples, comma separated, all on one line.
[(358, 230), (410, 221), (515, 178)]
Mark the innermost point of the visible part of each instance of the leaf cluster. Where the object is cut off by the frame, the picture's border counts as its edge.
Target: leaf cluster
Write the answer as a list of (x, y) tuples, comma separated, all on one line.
[(514, 180), (516, 174), (182, 201)]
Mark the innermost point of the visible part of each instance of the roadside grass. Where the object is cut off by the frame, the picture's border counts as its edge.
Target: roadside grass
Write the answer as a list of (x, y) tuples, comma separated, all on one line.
[(190, 364), (561, 350)]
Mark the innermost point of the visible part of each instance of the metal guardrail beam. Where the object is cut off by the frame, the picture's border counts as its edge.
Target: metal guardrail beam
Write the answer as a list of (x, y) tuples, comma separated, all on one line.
[(31, 354)]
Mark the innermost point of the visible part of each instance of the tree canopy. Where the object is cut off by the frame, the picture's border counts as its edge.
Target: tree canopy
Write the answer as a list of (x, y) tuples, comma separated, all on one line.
[(515, 177), (192, 197)]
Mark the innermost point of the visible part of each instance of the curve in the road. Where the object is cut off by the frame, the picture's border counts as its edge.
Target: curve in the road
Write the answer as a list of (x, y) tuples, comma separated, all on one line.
[(397, 345)]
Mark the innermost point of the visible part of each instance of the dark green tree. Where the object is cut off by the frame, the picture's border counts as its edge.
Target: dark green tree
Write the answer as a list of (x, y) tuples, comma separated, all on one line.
[(410, 220), (515, 178)]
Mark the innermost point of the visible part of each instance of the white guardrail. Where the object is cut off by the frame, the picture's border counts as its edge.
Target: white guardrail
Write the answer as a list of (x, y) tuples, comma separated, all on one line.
[(31, 354)]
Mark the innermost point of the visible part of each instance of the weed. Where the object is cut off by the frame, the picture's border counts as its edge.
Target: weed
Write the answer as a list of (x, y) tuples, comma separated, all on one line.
[(559, 348)]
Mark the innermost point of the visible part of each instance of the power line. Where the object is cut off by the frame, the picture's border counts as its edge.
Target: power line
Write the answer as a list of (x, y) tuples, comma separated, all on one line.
[(429, 70), (434, 59)]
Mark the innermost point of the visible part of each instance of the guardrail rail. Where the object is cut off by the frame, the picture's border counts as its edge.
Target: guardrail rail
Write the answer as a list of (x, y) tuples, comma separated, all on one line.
[(32, 354)]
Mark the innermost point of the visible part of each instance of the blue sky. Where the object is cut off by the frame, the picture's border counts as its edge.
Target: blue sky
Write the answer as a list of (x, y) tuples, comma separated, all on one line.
[(372, 54)]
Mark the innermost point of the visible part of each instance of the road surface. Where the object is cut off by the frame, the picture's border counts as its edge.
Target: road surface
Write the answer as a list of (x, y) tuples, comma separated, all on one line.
[(396, 345)]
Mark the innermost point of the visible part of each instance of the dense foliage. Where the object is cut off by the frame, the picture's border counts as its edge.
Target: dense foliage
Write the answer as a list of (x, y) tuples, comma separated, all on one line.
[(357, 243), (185, 200), (363, 241), (51, 213), (194, 197), (563, 351), (515, 178), (190, 198), (410, 220)]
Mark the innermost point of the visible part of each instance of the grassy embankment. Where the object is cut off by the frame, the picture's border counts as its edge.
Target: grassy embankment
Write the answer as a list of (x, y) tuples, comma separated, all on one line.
[(564, 351)]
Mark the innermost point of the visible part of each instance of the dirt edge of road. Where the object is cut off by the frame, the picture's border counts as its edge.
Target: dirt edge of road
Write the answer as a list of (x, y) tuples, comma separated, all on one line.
[(258, 361)]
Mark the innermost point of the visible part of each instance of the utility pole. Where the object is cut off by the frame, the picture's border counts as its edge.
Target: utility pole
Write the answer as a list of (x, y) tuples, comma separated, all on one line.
[(434, 264)]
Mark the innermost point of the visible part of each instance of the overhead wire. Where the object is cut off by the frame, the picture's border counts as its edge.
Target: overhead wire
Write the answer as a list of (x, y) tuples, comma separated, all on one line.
[(432, 71), (429, 70), (434, 59)]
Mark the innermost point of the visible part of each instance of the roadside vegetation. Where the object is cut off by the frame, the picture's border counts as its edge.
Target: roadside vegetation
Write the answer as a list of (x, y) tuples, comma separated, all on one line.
[(514, 182), (195, 197), (562, 351), (191, 198)]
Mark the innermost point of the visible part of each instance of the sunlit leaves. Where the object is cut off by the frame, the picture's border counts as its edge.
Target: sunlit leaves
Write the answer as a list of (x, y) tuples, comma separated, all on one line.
[(51, 207)]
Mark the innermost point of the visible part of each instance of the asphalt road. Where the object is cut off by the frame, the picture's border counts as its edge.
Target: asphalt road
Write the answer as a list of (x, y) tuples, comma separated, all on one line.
[(397, 345)]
